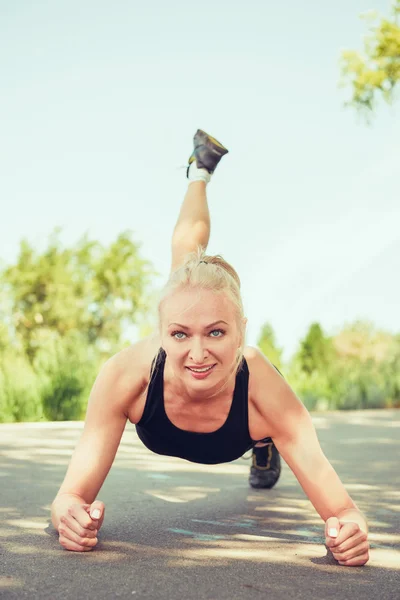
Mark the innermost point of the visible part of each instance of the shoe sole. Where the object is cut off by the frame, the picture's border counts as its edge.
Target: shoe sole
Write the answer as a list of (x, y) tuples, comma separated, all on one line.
[(204, 144)]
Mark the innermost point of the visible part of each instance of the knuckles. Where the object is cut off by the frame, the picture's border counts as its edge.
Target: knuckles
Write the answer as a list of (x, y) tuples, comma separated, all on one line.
[(343, 555), (83, 543), (347, 556), (88, 542)]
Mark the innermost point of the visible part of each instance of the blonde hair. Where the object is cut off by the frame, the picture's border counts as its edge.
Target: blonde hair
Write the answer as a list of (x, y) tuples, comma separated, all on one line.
[(203, 272)]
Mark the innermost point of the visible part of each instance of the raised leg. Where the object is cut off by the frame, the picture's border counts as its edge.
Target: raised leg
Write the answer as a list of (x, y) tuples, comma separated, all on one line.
[(193, 225), (192, 228)]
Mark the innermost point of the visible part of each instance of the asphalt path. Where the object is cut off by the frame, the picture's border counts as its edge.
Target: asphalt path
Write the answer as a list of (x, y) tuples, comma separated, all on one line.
[(177, 530)]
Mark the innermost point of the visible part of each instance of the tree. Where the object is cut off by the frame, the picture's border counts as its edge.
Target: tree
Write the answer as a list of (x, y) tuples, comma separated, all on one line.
[(377, 68), (392, 372), (92, 289), (363, 341), (267, 344), (366, 368), (5, 319), (315, 351), (310, 369)]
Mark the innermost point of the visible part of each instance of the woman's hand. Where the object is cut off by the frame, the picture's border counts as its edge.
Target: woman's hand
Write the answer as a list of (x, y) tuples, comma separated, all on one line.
[(347, 542), (79, 525)]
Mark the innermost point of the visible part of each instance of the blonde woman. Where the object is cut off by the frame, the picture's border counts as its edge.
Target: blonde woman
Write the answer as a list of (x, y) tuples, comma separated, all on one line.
[(195, 391)]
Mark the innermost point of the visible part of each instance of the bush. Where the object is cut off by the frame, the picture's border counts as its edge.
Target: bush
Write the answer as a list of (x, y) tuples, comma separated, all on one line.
[(313, 390), (67, 368), (359, 385), (19, 390)]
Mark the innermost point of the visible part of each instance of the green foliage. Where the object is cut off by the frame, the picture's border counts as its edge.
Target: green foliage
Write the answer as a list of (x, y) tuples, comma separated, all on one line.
[(66, 367), (358, 368), (377, 69), (313, 389), (391, 373), (20, 398), (95, 290), (358, 385), (315, 351), (62, 313), (267, 344)]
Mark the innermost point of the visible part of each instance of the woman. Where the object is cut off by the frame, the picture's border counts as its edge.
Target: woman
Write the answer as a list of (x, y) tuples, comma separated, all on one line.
[(197, 392)]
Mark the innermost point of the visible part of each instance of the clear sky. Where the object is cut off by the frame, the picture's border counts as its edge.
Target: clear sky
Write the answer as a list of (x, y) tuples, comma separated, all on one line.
[(99, 102)]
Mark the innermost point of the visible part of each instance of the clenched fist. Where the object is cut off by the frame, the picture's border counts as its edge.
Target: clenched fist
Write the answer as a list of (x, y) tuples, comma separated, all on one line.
[(79, 525), (347, 542)]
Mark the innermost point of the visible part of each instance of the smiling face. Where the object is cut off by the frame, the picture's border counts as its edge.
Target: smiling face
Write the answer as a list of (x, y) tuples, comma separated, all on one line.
[(200, 336)]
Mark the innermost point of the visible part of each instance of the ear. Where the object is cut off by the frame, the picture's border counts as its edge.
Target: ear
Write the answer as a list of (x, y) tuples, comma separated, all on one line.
[(245, 320)]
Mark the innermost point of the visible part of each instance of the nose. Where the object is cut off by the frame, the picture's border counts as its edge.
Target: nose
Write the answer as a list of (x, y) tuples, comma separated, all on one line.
[(198, 353)]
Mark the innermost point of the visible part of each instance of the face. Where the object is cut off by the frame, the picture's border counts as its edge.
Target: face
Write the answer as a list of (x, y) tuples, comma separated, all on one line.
[(200, 336)]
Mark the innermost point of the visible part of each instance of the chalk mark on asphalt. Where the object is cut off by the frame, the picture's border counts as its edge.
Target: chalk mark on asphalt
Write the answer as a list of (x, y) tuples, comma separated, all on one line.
[(204, 537)]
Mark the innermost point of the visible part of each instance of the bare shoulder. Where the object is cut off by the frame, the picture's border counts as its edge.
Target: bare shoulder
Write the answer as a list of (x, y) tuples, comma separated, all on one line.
[(250, 352), (261, 370), (270, 394), (137, 356), (135, 360), (130, 369), (257, 361)]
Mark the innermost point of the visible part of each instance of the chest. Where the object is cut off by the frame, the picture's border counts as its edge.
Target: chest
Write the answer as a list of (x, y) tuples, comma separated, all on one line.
[(196, 415)]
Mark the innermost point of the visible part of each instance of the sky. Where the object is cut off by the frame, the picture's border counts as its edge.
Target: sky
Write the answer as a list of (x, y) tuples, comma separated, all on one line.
[(100, 101)]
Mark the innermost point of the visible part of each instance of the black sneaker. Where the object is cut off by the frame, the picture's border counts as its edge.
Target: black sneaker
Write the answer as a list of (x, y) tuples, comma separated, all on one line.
[(266, 467), (207, 151)]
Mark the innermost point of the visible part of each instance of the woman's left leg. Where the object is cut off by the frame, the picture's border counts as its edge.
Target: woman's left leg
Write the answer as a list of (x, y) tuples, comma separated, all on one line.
[(193, 225)]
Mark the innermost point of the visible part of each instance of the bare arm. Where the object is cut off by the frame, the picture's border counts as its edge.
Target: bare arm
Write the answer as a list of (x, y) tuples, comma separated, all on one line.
[(106, 417), (295, 437)]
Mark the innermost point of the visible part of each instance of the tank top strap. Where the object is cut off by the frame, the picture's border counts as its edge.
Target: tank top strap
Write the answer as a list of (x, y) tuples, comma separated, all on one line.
[(155, 388), (239, 413)]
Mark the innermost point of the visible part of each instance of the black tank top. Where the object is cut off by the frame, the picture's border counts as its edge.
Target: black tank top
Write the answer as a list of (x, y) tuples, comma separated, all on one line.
[(228, 443)]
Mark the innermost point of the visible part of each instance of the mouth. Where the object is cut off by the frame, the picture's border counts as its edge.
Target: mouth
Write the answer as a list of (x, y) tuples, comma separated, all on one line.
[(201, 373)]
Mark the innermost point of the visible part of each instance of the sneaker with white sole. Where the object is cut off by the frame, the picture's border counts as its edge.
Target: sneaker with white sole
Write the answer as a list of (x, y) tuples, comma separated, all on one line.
[(266, 468), (207, 152)]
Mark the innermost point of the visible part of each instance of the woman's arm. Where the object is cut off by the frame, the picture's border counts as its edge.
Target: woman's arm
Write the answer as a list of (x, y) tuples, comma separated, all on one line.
[(289, 424), (113, 392), (294, 435)]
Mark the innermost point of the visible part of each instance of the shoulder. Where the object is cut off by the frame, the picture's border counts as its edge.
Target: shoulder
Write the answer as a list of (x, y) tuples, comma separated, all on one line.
[(272, 396), (258, 363), (136, 359), (128, 370), (138, 355), (261, 370)]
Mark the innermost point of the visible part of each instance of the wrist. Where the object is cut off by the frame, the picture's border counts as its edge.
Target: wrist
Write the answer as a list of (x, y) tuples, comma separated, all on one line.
[(353, 515), (60, 503)]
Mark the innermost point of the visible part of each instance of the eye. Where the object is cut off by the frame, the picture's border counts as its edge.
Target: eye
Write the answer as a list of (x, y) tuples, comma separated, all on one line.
[(180, 335), (175, 333), (221, 331)]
